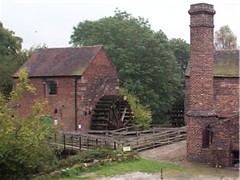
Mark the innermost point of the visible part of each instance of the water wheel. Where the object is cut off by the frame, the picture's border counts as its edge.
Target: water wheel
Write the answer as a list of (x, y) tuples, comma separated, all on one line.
[(111, 112)]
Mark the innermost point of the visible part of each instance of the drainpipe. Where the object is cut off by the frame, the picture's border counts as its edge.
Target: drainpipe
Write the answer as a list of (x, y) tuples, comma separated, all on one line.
[(75, 101)]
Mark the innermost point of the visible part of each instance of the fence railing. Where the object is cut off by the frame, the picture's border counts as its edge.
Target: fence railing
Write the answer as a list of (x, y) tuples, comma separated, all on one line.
[(157, 139), (79, 141), (136, 140)]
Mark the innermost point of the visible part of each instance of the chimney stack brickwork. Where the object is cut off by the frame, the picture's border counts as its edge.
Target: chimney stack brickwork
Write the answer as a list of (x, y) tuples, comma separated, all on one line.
[(200, 104), (201, 57)]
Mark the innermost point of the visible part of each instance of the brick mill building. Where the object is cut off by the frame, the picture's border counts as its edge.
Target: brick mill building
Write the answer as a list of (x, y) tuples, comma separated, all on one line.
[(72, 79), (212, 94)]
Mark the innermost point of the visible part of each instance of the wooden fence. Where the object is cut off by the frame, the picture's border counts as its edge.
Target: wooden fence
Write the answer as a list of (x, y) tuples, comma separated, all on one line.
[(147, 141), (136, 140), (78, 141)]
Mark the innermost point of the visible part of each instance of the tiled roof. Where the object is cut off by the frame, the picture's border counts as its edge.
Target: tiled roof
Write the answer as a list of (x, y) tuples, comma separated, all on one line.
[(226, 63), (69, 61)]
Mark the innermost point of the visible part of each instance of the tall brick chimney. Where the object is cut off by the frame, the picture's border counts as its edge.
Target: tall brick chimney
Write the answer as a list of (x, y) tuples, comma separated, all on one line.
[(201, 57), (200, 108)]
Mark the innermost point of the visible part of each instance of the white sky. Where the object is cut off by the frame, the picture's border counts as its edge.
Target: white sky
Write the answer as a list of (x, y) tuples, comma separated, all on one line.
[(51, 22)]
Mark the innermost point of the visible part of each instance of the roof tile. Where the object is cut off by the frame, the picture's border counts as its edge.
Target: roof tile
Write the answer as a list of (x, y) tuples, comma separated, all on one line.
[(69, 61)]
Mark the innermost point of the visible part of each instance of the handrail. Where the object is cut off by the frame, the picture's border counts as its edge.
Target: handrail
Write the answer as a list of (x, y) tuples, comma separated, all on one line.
[(80, 141)]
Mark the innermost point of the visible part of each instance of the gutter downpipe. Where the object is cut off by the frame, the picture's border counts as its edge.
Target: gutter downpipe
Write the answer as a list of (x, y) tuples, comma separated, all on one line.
[(75, 101)]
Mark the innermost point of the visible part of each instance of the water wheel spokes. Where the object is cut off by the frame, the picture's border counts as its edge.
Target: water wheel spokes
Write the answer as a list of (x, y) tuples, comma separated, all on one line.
[(111, 112)]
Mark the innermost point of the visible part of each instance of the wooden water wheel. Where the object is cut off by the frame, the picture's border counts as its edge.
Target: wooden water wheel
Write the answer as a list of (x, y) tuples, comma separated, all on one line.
[(111, 112)]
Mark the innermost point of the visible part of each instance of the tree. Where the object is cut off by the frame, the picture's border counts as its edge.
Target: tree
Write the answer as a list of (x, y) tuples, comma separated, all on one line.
[(181, 51), (11, 57), (24, 149), (143, 58), (225, 39), (9, 44)]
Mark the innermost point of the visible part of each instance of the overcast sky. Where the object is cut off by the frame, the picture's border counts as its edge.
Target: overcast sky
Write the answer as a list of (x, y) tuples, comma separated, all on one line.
[(51, 22)]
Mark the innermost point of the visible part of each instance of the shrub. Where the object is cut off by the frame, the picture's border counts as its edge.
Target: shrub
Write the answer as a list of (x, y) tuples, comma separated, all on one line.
[(24, 149), (100, 152), (142, 114)]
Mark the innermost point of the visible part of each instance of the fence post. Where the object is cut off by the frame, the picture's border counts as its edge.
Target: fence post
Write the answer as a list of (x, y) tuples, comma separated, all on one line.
[(55, 137), (96, 141), (80, 142), (64, 142), (179, 138), (137, 142), (114, 145), (87, 144), (72, 141)]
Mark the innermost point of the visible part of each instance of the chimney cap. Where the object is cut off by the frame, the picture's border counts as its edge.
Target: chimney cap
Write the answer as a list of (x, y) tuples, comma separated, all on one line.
[(201, 8)]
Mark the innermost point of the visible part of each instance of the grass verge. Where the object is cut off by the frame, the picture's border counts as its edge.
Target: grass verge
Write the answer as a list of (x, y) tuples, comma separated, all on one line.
[(150, 166)]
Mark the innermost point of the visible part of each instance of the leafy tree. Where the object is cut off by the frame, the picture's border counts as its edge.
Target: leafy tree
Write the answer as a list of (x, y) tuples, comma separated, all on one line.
[(225, 39), (181, 51), (10, 46), (143, 58), (23, 147), (11, 57)]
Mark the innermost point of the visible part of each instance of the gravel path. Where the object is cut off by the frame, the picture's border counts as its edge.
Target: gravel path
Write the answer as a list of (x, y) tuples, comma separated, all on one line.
[(175, 153)]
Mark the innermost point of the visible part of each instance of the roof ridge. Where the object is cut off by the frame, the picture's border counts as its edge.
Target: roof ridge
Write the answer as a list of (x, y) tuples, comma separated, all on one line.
[(73, 47)]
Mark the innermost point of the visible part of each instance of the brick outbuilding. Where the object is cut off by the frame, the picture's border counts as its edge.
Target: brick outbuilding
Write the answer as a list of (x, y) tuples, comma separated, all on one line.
[(211, 94), (72, 80)]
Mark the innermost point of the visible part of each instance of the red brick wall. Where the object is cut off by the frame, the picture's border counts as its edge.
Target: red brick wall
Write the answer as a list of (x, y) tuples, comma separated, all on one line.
[(201, 58), (226, 96), (195, 129), (225, 140), (206, 95), (227, 129), (59, 106), (99, 79), (199, 90)]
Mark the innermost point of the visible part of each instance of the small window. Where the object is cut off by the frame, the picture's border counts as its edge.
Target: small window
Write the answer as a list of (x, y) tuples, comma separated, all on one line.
[(235, 157), (51, 88)]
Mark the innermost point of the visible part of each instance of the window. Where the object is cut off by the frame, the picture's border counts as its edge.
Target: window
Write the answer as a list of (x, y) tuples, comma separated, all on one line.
[(235, 157), (51, 88)]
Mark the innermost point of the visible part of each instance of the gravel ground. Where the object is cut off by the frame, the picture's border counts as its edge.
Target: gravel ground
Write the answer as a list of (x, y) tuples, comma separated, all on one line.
[(175, 153)]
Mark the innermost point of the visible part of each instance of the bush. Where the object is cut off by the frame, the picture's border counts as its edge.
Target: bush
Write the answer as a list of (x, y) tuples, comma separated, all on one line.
[(24, 149), (100, 152), (142, 114)]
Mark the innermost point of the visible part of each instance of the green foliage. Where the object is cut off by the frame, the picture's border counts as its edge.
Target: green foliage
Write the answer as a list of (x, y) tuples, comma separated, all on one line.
[(142, 114), (225, 39), (144, 58), (11, 57), (101, 152), (181, 51), (24, 148)]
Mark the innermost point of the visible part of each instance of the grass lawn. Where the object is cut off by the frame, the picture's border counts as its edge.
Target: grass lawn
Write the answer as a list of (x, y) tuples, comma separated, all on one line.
[(150, 166)]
